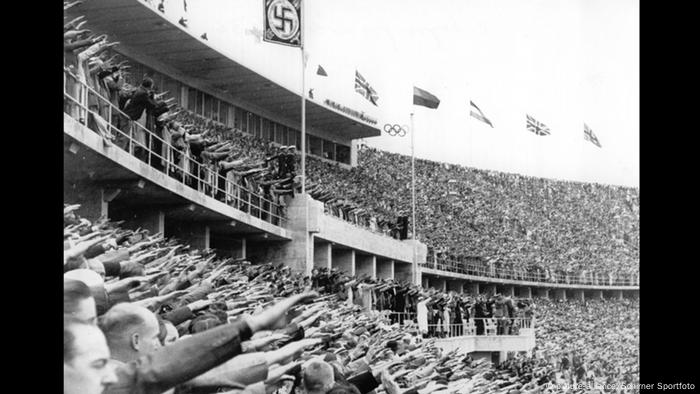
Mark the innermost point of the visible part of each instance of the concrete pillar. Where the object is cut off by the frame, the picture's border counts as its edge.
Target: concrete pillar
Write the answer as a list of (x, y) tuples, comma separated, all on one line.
[(366, 265), (509, 291), (293, 254), (385, 269), (473, 288), (525, 292), (560, 294), (403, 272), (442, 282), (490, 289), (244, 246), (150, 219), (617, 295), (90, 198), (207, 237), (542, 292), (322, 254), (425, 282), (193, 233), (576, 294), (454, 285), (344, 260)]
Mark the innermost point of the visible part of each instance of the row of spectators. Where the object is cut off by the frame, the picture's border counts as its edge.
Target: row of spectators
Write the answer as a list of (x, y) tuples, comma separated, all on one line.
[(147, 314), (204, 153), (485, 221), (497, 221)]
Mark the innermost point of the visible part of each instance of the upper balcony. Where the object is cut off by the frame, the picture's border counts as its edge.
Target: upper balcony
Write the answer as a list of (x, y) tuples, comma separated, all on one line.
[(126, 169), (152, 38)]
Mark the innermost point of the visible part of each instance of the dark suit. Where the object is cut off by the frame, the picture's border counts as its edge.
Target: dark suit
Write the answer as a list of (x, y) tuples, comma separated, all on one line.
[(140, 100), (181, 361)]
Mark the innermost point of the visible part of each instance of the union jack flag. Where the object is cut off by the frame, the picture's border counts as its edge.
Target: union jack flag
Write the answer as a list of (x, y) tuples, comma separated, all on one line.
[(536, 126), (589, 136), (363, 88)]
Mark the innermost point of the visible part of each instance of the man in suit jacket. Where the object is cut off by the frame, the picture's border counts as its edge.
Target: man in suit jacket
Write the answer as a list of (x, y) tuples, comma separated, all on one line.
[(143, 366)]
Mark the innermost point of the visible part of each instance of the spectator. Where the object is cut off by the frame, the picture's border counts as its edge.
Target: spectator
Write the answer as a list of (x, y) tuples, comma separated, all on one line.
[(86, 367)]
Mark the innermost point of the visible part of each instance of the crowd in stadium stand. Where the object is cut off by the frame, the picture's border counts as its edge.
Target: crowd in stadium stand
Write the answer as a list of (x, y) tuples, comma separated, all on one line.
[(206, 154), (474, 221), (497, 223), (148, 314)]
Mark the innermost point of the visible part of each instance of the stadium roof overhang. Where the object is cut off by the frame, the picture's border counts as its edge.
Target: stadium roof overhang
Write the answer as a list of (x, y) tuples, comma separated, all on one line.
[(139, 27)]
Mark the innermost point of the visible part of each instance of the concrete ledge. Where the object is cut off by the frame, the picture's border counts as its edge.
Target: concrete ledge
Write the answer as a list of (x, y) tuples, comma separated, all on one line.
[(336, 230), (89, 138), (481, 343), (485, 279)]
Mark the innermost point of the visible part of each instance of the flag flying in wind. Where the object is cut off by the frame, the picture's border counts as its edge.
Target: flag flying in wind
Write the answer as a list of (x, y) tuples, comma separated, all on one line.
[(364, 89), (478, 114), (589, 136), (536, 126), (321, 71), (425, 98)]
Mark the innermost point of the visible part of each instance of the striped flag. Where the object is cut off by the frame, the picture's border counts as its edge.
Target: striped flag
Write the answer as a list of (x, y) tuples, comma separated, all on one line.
[(478, 114), (589, 136), (321, 71), (364, 89), (425, 98), (536, 126)]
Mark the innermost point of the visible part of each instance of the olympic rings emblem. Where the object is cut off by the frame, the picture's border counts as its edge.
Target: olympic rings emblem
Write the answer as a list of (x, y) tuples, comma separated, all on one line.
[(395, 130)]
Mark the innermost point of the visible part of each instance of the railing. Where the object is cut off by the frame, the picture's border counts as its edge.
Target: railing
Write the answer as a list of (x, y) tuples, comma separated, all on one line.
[(591, 278), (481, 327), (329, 211), (401, 317), (199, 177)]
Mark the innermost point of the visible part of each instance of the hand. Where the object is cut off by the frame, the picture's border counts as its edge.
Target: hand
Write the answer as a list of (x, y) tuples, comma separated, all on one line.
[(81, 248), (276, 374), (69, 5), (131, 283), (153, 303), (199, 304), (273, 317)]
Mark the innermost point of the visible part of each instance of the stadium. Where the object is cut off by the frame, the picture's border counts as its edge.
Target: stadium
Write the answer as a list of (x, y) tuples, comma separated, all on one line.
[(230, 228)]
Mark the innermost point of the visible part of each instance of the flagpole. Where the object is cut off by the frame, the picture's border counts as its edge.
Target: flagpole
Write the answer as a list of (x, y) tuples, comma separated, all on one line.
[(303, 143), (413, 199)]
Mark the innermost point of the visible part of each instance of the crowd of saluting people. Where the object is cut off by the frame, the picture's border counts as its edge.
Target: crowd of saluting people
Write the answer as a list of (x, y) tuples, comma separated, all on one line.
[(474, 221), (495, 222), (147, 314), (243, 171)]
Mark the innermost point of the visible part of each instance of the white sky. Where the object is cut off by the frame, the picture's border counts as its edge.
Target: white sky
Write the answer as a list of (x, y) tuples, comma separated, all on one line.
[(563, 62)]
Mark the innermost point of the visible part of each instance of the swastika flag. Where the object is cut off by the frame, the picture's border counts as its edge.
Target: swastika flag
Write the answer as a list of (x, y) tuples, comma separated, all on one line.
[(282, 22)]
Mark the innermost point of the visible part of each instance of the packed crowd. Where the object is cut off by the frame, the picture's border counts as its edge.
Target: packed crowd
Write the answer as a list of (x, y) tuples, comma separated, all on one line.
[(473, 221), (147, 314), (435, 313), (492, 221), (223, 162)]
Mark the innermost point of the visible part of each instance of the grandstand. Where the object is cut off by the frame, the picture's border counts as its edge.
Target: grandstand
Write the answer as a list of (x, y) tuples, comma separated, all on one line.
[(175, 137)]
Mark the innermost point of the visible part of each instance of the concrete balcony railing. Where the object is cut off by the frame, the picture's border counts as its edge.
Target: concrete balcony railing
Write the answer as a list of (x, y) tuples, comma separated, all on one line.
[(476, 270), (107, 119)]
